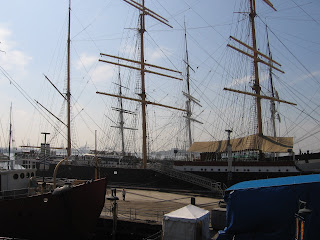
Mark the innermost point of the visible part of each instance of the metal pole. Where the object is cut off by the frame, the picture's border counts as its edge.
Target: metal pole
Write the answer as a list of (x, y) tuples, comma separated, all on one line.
[(113, 200), (45, 151), (68, 89), (229, 149), (95, 156), (143, 91), (114, 229)]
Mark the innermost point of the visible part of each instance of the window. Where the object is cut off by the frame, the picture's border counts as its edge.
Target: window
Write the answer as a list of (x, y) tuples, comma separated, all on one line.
[(22, 175), (15, 176)]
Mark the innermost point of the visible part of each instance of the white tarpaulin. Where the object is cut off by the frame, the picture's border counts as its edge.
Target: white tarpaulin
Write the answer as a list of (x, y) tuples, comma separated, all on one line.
[(187, 223)]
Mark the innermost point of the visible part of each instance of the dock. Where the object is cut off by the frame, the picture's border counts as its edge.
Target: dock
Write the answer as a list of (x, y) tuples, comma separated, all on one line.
[(140, 215)]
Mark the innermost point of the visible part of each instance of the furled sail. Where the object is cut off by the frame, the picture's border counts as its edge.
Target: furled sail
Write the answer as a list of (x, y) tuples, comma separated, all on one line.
[(248, 143)]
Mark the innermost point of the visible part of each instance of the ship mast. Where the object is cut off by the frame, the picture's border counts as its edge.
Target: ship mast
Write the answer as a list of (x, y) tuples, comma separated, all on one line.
[(121, 116), (143, 88), (256, 86), (189, 113), (68, 89), (257, 57), (67, 96), (142, 68), (189, 97), (273, 105), (10, 136)]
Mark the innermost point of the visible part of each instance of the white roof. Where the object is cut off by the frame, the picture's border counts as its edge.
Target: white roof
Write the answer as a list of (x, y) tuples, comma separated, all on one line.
[(6, 165), (188, 213)]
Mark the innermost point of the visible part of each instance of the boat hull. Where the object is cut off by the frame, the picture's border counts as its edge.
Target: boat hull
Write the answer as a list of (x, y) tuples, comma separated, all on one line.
[(240, 170), (70, 214), (125, 177), (213, 170)]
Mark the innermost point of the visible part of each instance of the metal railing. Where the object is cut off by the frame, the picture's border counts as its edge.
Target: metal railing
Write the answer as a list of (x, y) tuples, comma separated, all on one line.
[(155, 236), (191, 178), (12, 194), (134, 214)]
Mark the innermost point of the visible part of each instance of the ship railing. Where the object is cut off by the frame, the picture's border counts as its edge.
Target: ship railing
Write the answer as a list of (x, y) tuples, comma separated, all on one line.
[(191, 178), (156, 236), (143, 215), (110, 165), (16, 193)]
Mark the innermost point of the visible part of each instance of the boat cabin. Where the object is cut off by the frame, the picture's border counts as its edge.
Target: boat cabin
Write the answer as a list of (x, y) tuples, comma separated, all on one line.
[(14, 179)]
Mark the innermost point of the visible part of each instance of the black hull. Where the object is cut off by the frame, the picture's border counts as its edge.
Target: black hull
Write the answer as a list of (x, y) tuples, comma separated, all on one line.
[(72, 214), (124, 177), (245, 176), (147, 178)]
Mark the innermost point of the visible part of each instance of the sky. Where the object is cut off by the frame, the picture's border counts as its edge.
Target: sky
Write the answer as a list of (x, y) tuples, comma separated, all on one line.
[(33, 43)]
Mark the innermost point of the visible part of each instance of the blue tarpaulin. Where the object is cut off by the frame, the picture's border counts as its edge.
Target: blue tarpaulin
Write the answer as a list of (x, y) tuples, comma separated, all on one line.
[(265, 209)]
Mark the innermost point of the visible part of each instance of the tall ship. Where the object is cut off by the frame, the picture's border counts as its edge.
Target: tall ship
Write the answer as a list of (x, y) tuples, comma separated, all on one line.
[(262, 153), (84, 165), (242, 141)]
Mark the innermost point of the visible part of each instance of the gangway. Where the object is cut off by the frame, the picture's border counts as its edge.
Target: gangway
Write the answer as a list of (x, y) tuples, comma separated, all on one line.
[(204, 182)]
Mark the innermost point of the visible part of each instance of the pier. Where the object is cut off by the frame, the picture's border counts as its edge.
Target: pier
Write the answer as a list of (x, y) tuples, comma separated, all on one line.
[(140, 215)]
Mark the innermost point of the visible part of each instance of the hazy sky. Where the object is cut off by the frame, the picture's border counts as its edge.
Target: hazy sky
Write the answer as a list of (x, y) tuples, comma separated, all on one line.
[(33, 37)]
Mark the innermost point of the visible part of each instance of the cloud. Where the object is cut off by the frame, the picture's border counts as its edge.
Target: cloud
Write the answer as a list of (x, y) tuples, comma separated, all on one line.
[(86, 61), (151, 54), (309, 75), (4, 33), (240, 81), (11, 58), (247, 79), (99, 72), (158, 53), (102, 73), (18, 59)]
